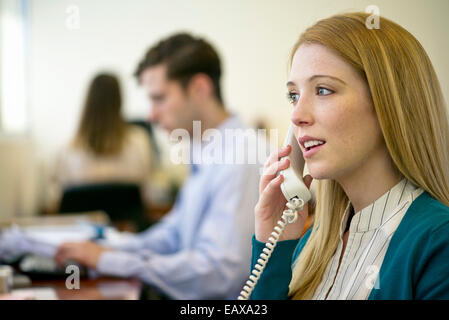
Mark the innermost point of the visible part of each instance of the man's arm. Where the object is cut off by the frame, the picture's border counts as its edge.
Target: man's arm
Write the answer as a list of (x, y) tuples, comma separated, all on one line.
[(217, 265), (161, 238)]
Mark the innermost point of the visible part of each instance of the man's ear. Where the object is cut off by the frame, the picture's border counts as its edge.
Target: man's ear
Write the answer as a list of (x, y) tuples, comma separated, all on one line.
[(200, 87)]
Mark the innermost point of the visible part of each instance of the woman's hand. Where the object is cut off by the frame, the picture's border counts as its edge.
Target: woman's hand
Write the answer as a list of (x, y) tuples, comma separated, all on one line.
[(271, 202)]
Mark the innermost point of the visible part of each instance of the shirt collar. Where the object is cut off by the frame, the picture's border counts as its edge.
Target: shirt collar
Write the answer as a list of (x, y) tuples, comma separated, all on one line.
[(378, 212)]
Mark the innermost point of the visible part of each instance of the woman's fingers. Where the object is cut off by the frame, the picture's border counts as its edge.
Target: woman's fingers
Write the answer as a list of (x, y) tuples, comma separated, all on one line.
[(272, 170), (271, 201), (270, 173), (273, 166), (276, 155), (270, 191)]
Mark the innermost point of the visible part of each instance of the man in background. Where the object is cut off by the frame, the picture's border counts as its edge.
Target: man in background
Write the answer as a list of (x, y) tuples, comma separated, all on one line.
[(201, 248)]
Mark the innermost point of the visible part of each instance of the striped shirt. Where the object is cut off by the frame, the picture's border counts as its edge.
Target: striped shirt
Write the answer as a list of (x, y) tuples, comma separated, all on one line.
[(370, 232)]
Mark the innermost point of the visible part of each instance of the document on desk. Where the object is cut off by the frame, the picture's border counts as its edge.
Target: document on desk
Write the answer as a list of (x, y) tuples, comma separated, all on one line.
[(45, 239), (55, 235), (42, 240)]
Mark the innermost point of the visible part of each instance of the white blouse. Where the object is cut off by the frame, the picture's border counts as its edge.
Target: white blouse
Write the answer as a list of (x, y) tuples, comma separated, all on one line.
[(370, 232), (77, 166)]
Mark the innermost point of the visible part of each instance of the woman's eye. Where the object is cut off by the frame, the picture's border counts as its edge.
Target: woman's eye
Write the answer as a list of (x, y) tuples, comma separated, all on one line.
[(292, 97), (323, 91)]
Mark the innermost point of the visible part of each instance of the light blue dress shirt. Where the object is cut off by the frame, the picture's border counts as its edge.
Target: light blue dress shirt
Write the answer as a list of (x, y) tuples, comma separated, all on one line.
[(202, 248)]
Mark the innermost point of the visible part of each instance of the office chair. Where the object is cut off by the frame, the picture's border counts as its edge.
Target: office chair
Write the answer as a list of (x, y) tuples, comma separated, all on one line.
[(148, 127), (120, 201)]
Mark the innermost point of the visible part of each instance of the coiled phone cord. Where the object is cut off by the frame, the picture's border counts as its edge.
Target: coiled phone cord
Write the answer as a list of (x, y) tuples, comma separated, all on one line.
[(289, 215)]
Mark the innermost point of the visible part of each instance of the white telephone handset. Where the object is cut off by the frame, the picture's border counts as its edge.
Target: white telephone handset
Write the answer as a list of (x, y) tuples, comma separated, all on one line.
[(293, 185), (297, 194)]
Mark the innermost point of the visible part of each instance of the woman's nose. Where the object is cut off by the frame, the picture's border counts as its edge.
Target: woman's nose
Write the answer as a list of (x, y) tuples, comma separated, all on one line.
[(302, 113)]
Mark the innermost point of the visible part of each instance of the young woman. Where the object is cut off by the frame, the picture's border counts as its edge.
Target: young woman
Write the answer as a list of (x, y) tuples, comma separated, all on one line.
[(381, 219), (105, 147)]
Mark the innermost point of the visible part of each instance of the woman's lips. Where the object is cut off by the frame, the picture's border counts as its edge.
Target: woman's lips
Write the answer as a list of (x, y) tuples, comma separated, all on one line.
[(307, 153)]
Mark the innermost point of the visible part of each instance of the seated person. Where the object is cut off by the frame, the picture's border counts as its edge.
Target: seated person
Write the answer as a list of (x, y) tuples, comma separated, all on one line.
[(200, 249), (105, 148)]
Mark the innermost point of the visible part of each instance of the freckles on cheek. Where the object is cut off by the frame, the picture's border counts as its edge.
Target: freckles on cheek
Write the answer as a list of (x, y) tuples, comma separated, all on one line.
[(338, 125), (344, 132)]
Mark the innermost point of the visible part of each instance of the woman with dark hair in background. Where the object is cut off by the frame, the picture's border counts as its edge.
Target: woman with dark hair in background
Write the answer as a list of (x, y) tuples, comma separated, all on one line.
[(105, 148)]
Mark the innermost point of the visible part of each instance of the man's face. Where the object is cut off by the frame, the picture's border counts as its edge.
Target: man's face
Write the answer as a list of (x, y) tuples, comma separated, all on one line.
[(170, 105)]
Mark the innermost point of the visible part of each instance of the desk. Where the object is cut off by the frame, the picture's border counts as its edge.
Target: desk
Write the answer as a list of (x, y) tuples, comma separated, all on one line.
[(103, 288)]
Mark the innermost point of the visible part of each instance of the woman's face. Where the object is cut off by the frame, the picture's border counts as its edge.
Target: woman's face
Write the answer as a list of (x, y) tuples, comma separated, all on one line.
[(332, 103)]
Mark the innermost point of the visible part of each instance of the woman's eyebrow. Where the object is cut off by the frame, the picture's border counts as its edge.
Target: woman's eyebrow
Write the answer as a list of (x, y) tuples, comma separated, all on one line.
[(326, 76), (291, 83)]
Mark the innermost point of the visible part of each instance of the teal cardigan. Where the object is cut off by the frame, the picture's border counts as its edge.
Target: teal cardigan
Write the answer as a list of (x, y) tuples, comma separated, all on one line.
[(416, 264)]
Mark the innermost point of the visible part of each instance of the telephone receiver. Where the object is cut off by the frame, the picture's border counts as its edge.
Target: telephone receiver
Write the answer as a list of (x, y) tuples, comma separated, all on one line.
[(297, 194), (293, 185)]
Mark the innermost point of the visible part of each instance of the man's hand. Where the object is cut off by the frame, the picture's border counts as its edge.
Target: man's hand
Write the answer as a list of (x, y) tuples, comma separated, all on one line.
[(86, 253)]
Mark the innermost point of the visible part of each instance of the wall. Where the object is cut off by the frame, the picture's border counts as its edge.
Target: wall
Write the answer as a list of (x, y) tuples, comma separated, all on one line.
[(19, 178), (253, 37)]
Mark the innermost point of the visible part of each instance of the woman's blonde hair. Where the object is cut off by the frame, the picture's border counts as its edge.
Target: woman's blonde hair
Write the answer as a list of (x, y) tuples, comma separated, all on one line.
[(412, 115)]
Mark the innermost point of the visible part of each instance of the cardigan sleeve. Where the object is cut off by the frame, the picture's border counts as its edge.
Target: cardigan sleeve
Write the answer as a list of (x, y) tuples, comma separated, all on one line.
[(275, 279), (433, 280)]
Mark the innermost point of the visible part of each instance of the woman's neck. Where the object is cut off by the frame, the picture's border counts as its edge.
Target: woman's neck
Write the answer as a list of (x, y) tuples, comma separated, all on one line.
[(370, 181)]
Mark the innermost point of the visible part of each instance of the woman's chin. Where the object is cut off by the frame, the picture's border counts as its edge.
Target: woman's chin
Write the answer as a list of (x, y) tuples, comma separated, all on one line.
[(318, 173)]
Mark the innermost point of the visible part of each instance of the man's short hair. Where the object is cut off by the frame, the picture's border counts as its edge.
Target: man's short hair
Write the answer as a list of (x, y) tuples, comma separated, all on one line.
[(184, 56)]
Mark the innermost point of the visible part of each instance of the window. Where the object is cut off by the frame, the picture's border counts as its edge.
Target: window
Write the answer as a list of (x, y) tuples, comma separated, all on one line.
[(13, 93)]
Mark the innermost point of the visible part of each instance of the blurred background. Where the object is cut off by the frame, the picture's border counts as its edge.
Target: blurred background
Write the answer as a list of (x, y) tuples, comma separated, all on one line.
[(50, 50)]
